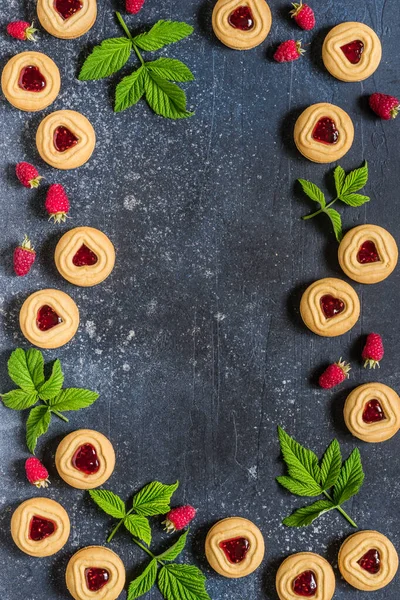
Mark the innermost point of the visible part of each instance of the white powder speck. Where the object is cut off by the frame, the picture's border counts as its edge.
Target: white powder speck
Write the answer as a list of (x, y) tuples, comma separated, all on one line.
[(152, 307), (130, 202), (126, 367), (220, 316), (90, 329), (98, 351)]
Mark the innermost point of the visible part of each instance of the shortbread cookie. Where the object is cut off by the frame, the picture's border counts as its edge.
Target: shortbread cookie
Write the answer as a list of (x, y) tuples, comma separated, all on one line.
[(95, 572), (49, 318), (67, 19), (241, 24), (351, 51), (368, 560), (368, 254), (305, 575), (65, 139), (84, 256), (323, 133), (40, 527), (31, 81), (85, 459), (234, 547), (372, 412), (330, 307)]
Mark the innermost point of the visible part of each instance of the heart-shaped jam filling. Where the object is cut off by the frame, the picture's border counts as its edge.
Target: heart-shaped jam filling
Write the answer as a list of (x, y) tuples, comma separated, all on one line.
[(235, 549), (96, 578), (371, 561), (31, 79), (331, 306), (41, 528), (241, 18), (86, 460), (353, 51), (67, 8), (325, 131), (84, 257), (47, 318), (368, 253), (64, 139), (305, 584), (373, 412)]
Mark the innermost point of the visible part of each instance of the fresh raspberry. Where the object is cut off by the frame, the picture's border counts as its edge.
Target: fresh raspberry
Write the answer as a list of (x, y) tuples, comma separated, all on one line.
[(21, 30), (24, 257), (57, 203), (288, 51), (36, 473), (373, 351), (133, 6), (386, 107), (303, 15), (334, 374), (179, 518), (28, 175)]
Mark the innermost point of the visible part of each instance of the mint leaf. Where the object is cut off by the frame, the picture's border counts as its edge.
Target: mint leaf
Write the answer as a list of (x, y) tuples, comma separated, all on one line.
[(139, 527), (182, 581), (336, 221), (306, 515), (129, 91), (19, 399), (331, 465), (174, 551), (109, 502), (171, 69), (299, 488), (37, 424), (165, 98), (143, 584), (339, 176), (161, 34), (355, 180), (350, 479), (50, 388), (26, 369), (154, 499), (355, 199), (73, 399), (313, 192), (106, 59), (302, 464)]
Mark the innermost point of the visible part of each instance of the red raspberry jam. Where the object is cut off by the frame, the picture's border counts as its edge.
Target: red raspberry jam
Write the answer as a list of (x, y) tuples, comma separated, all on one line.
[(41, 528), (371, 561), (96, 578), (368, 253), (85, 257), (331, 306), (305, 584), (47, 318), (353, 51), (64, 139), (86, 460), (325, 131), (235, 549), (67, 8), (31, 79), (241, 18), (373, 412)]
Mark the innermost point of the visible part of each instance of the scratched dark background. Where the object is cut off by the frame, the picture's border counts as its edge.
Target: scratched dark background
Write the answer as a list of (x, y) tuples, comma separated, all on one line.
[(195, 341)]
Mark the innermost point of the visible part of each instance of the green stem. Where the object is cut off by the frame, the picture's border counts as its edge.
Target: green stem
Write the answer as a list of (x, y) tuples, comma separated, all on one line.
[(123, 25), (138, 54), (321, 210), (144, 548), (342, 512), (114, 531), (59, 415)]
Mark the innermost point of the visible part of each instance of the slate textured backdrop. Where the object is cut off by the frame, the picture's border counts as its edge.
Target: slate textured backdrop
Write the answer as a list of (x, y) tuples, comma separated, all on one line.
[(195, 341)]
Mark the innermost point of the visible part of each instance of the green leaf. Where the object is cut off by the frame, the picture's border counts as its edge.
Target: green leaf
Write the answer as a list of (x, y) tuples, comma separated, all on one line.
[(298, 487), (19, 399), (165, 98), (154, 499), (339, 175), (350, 479), (37, 424), (171, 69), (109, 502), (174, 551), (129, 91), (336, 221), (355, 180), (308, 514), (50, 388), (106, 59), (355, 199), (26, 369), (302, 464), (143, 584), (73, 399), (161, 34), (331, 465), (313, 192), (139, 527), (178, 582)]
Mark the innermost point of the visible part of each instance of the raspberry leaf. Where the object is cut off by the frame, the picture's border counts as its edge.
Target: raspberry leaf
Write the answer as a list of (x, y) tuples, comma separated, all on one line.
[(336, 221), (165, 98), (37, 424), (162, 34), (182, 581), (154, 499), (339, 175), (331, 465), (19, 399), (143, 584), (129, 91), (355, 199), (350, 479), (50, 388), (301, 463), (26, 369), (313, 192), (171, 69), (109, 502), (73, 399), (139, 527), (174, 551), (306, 515), (299, 488), (355, 180), (106, 59)]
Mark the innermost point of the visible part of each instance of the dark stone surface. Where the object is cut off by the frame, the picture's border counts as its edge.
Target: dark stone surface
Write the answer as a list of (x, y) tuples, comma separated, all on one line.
[(195, 341)]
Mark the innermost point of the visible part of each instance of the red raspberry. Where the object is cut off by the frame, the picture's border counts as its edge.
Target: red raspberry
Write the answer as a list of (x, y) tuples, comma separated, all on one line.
[(303, 15), (288, 51), (24, 257), (373, 351), (179, 518), (133, 6), (334, 374), (21, 30), (386, 107), (57, 203), (28, 175), (36, 473)]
